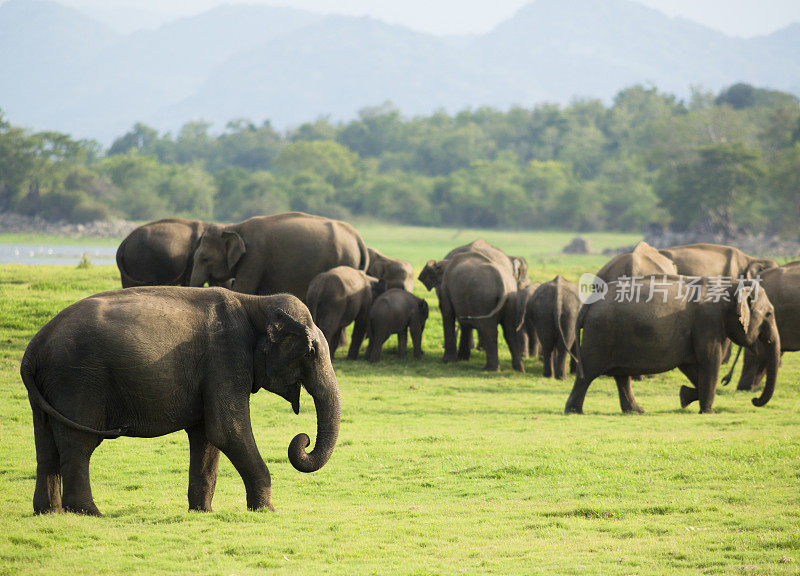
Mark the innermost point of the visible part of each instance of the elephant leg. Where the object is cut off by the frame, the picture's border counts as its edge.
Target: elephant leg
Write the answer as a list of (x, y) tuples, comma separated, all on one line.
[(689, 394), (488, 335), (75, 448), (514, 342), (203, 466), (578, 394), (234, 437), (343, 337), (533, 342), (47, 494), (449, 326), (752, 372), (416, 339), (627, 401), (561, 357), (376, 342), (708, 375), (548, 350), (402, 343), (465, 343), (357, 338), (333, 340), (524, 342)]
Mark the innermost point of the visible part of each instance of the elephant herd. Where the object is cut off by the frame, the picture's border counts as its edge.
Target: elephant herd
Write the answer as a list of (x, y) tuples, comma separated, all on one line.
[(166, 354)]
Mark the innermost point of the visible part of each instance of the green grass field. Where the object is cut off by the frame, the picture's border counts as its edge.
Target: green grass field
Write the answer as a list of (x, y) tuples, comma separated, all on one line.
[(439, 469)]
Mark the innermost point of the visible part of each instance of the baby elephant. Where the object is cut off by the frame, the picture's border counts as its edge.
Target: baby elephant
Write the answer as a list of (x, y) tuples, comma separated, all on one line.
[(146, 362), (396, 312), (339, 297)]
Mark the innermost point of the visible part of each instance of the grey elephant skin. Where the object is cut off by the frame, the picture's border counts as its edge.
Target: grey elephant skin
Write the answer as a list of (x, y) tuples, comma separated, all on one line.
[(716, 260), (274, 254), (643, 260), (480, 292), (551, 310), (145, 362), (396, 273), (782, 285), (432, 274), (339, 297), (396, 311), (630, 338), (159, 253)]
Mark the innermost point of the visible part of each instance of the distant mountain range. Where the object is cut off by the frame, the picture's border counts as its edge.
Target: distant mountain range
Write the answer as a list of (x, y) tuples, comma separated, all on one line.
[(62, 70)]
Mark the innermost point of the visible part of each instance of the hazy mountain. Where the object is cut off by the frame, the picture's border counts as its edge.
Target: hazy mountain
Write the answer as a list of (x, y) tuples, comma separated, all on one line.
[(63, 70)]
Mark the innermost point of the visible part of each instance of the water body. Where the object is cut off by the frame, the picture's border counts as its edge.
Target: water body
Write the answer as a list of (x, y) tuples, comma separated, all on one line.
[(55, 254)]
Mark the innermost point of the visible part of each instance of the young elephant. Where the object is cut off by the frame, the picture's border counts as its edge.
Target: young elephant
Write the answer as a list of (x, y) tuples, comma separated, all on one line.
[(552, 311), (339, 297), (396, 311), (396, 273), (669, 326), (145, 362)]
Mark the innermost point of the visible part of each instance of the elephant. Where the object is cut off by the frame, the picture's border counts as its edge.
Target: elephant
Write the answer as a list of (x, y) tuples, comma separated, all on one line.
[(339, 297), (396, 273), (433, 272), (160, 253), (278, 253), (782, 286), (663, 329), (145, 362), (643, 260), (480, 293), (552, 312), (716, 260), (396, 311)]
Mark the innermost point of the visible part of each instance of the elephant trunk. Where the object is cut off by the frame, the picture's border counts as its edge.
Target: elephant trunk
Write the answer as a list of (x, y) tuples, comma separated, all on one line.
[(198, 277), (324, 389), (773, 347)]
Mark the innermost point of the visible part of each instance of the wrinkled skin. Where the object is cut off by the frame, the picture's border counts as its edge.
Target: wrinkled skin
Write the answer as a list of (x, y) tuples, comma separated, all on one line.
[(275, 254), (396, 273), (339, 297), (396, 311), (643, 260), (159, 253), (432, 274), (630, 338), (716, 260), (480, 294), (552, 311), (782, 285), (146, 362)]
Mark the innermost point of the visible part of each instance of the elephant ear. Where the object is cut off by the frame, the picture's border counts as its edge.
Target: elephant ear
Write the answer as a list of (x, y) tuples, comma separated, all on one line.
[(428, 275), (423, 308), (286, 341), (743, 304), (234, 248), (378, 287)]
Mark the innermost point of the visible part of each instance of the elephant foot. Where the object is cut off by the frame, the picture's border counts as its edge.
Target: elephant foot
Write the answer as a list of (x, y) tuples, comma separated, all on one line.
[(201, 508), (746, 387), (688, 395), (491, 368), (447, 358), (572, 410), (636, 409), (463, 356), (519, 367), (83, 509), (418, 355)]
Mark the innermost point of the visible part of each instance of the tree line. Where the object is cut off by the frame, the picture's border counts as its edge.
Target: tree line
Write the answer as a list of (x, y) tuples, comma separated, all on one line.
[(726, 162)]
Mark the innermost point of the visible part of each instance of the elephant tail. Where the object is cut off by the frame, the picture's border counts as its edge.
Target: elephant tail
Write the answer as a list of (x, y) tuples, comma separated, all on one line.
[(28, 373), (500, 303), (578, 327), (727, 378)]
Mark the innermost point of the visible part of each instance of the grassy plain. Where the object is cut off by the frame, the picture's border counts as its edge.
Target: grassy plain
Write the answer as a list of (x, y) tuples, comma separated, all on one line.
[(439, 469)]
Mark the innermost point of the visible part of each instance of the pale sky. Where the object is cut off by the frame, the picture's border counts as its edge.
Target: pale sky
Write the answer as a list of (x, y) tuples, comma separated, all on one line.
[(744, 18)]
